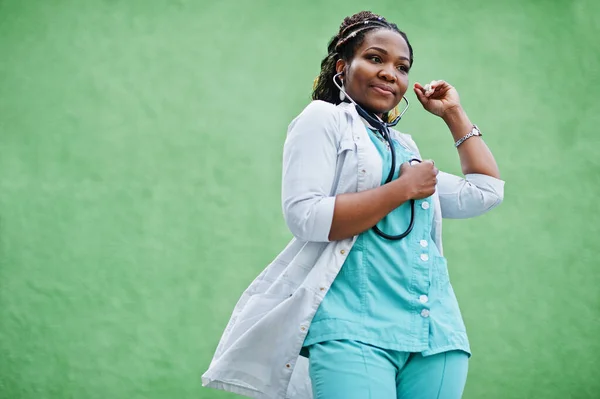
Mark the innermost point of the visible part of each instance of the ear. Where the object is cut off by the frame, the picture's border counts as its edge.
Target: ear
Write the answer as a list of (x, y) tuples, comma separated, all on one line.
[(340, 66)]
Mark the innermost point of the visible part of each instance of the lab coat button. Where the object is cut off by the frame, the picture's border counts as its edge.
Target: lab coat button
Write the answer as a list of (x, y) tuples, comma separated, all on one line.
[(424, 257), (425, 313), (425, 205), (424, 243), (423, 299)]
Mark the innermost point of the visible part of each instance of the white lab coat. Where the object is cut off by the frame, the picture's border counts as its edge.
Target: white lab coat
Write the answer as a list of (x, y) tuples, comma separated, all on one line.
[(327, 152)]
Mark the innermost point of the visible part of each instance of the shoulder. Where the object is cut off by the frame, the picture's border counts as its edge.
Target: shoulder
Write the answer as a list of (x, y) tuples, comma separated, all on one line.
[(320, 110), (321, 106), (319, 114)]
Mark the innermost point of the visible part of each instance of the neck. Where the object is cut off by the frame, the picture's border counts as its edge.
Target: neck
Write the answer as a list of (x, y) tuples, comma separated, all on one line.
[(379, 115), (370, 118)]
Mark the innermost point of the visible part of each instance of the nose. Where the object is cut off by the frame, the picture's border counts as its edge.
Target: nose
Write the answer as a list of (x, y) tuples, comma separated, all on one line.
[(388, 73)]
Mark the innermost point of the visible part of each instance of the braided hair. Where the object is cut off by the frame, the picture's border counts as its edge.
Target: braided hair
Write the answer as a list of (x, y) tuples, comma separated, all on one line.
[(343, 46)]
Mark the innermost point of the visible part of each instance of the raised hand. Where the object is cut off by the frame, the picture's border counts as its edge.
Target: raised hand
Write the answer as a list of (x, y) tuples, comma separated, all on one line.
[(438, 97)]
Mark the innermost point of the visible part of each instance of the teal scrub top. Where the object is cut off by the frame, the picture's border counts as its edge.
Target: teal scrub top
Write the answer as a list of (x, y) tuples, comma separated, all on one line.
[(393, 294)]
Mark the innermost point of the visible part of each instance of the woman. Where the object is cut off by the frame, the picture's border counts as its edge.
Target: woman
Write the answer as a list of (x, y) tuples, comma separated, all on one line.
[(359, 305)]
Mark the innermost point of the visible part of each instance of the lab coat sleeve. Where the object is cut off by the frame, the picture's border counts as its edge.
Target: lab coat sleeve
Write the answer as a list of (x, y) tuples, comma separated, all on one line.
[(468, 196), (309, 165)]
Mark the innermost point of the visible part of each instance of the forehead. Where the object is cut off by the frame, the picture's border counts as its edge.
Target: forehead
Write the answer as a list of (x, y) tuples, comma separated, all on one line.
[(388, 40)]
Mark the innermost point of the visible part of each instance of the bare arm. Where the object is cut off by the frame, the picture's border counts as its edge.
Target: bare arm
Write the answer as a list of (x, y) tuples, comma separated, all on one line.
[(443, 100), (481, 188), (355, 213), (358, 212), (475, 156)]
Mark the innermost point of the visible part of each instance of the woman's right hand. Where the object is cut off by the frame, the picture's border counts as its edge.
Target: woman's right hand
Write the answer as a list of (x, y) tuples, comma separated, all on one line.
[(419, 179), (355, 213)]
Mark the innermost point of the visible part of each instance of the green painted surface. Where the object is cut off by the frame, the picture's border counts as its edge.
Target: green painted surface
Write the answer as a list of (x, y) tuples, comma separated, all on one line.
[(140, 152)]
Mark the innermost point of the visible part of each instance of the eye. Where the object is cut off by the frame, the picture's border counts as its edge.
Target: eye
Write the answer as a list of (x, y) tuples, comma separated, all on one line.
[(375, 58), (403, 68)]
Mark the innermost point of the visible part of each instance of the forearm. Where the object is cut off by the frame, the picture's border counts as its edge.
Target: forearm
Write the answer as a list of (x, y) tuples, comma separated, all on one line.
[(355, 213), (475, 156)]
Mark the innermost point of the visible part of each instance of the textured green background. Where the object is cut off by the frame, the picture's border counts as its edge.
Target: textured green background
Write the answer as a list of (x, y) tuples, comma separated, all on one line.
[(140, 175)]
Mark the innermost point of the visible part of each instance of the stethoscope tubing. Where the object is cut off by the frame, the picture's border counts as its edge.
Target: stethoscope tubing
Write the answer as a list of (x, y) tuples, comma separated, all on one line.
[(383, 128)]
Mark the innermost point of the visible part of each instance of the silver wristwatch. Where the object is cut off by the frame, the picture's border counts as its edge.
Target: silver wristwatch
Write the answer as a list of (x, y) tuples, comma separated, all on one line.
[(474, 132)]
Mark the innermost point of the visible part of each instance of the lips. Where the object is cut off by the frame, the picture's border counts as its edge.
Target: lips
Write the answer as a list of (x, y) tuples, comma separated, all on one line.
[(383, 89)]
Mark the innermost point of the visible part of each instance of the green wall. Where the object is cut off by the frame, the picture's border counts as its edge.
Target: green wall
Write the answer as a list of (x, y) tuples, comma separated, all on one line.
[(140, 166)]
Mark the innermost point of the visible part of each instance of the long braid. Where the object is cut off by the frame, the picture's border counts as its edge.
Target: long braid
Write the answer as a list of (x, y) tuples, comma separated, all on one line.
[(343, 45)]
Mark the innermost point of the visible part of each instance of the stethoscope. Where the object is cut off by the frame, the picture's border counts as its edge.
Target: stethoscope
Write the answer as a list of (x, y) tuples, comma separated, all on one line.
[(383, 129)]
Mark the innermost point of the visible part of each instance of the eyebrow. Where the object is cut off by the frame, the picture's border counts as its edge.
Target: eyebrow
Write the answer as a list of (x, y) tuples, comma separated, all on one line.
[(385, 52)]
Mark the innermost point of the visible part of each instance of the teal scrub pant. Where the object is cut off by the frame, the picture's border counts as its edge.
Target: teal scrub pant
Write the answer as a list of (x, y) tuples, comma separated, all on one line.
[(354, 370)]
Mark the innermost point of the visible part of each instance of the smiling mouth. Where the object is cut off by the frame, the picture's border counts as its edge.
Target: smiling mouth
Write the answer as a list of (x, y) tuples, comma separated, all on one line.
[(382, 91)]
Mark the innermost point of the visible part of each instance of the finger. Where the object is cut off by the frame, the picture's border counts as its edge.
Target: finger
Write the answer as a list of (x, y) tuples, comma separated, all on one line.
[(429, 161), (436, 171), (404, 168), (439, 91), (420, 96), (444, 89), (439, 85), (418, 88)]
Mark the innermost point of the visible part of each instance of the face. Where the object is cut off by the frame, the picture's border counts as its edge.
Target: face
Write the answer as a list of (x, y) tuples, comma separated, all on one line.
[(377, 76)]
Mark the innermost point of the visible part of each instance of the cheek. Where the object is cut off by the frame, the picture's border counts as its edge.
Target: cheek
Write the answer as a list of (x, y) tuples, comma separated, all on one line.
[(403, 84), (360, 74), (403, 79), (358, 85)]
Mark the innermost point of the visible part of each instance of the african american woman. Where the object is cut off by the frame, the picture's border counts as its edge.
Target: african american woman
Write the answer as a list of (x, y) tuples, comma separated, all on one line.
[(359, 304)]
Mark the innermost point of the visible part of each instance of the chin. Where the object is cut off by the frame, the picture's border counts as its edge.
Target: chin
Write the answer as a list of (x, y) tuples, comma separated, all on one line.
[(380, 107)]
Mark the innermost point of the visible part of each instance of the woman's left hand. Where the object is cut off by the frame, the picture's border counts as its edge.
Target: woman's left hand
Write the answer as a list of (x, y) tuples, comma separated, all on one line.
[(441, 98)]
